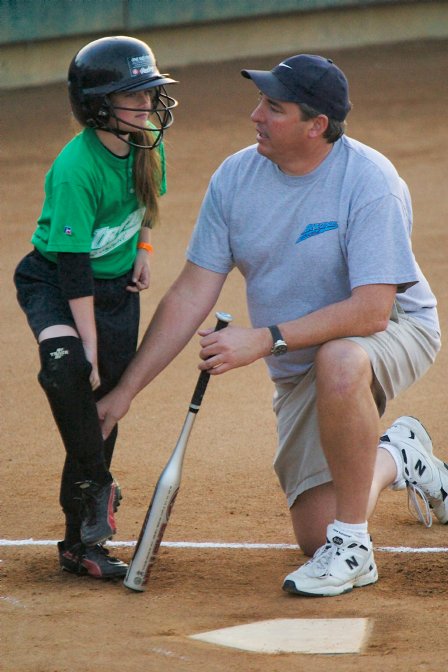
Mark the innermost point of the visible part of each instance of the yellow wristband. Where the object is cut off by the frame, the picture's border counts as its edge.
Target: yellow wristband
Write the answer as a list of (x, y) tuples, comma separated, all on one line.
[(145, 246)]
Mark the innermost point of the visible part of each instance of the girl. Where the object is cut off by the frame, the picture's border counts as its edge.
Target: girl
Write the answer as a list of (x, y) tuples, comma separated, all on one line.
[(79, 287)]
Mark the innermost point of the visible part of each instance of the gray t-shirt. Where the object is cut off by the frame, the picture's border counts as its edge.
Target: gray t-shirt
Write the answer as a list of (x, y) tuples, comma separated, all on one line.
[(306, 242)]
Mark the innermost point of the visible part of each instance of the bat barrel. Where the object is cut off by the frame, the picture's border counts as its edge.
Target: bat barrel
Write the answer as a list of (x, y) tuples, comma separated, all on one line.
[(166, 491)]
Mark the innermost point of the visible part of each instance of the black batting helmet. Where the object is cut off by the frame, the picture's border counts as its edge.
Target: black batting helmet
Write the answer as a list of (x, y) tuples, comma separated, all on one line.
[(112, 65)]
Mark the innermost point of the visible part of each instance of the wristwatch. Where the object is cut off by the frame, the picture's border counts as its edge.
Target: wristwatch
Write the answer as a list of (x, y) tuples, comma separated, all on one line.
[(279, 344)]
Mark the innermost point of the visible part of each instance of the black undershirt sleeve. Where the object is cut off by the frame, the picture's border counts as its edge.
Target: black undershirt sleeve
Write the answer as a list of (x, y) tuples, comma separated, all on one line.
[(75, 274)]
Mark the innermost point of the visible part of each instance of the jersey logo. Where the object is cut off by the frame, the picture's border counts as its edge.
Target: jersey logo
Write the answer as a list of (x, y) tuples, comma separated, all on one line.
[(316, 229), (109, 238), (68, 230)]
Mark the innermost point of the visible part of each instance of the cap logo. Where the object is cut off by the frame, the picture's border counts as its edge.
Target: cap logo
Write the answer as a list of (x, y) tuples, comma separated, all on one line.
[(140, 65), (285, 65)]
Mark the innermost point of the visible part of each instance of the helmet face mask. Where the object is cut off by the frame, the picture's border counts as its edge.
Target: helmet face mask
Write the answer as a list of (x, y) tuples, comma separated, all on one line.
[(117, 65), (109, 117)]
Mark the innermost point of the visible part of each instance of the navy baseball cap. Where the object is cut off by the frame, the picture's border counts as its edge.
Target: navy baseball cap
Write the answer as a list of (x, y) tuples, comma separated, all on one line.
[(309, 79)]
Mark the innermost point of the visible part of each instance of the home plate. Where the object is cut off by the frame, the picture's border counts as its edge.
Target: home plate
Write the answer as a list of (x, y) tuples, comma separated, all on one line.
[(294, 635)]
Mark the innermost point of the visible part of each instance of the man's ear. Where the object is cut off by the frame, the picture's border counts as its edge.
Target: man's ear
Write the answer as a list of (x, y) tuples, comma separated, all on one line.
[(320, 125)]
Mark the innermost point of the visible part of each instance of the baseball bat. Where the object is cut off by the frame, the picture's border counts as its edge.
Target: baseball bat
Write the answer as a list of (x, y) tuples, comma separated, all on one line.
[(166, 490)]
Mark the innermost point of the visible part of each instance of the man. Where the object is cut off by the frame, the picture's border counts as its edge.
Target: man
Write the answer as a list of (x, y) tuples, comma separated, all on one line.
[(319, 225)]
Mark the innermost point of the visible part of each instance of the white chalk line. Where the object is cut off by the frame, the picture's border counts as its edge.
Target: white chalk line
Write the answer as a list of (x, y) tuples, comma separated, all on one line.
[(227, 545)]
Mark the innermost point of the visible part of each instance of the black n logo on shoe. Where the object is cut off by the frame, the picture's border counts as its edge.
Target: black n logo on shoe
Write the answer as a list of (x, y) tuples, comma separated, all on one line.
[(352, 562), (412, 434), (420, 467)]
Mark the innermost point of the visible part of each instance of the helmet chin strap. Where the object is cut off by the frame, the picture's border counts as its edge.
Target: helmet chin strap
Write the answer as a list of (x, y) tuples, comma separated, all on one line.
[(120, 134), (163, 114)]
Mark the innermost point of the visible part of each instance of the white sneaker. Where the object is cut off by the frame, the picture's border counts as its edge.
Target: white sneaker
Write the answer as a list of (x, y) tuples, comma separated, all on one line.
[(424, 475), (342, 564)]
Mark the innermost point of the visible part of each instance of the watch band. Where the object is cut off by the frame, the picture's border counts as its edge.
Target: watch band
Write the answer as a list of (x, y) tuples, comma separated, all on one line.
[(275, 333), (279, 346)]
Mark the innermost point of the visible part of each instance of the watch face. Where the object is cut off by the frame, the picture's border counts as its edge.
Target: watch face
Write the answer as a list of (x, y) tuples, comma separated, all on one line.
[(280, 348)]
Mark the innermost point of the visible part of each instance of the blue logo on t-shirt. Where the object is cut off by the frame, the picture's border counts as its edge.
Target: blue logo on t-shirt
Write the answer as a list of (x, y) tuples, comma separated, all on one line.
[(316, 229)]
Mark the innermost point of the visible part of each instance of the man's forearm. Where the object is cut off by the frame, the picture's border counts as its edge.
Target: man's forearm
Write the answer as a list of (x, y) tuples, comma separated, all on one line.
[(168, 333), (176, 319), (365, 313)]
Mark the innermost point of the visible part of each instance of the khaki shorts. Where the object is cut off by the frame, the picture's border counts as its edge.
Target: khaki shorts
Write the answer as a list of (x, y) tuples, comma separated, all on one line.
[(400, 355)]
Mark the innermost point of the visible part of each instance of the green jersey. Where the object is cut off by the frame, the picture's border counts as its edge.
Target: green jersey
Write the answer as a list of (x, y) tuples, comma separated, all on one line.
[(90, 206)]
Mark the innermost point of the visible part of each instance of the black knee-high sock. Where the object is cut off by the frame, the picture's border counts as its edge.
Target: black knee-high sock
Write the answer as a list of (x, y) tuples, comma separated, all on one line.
[(64, 376)]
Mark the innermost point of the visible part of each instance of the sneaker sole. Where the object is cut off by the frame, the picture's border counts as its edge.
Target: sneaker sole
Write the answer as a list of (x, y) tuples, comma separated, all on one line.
[(115, 571), (332, 591), (77, 570), (90, 568), (425, 439)]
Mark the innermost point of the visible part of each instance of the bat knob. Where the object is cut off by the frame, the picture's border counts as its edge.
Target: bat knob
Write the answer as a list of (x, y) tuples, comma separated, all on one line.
[(223, 317)]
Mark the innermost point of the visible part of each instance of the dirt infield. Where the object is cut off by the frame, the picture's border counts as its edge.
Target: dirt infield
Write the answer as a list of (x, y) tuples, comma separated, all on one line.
[(52, 622)]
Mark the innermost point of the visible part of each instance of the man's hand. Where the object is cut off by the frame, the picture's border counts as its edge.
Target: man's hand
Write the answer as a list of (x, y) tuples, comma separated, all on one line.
[(111, 409), (232, 347)]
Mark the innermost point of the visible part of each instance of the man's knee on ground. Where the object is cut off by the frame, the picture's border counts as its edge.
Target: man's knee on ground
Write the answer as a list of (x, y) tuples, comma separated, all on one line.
[(311, 513)]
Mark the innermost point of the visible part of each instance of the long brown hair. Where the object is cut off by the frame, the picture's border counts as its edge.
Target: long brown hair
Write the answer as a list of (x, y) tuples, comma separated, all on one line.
[(147, 173), (147, 177)]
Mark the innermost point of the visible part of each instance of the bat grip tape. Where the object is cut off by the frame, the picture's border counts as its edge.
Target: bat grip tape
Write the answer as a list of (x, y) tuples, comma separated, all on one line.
[(203, 379)]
